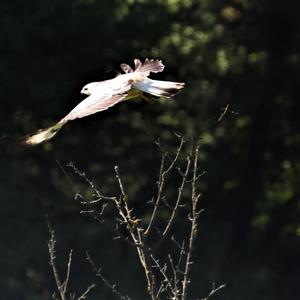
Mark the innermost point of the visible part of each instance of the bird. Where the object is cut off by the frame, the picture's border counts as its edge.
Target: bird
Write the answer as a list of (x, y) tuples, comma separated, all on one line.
[(132, 83)]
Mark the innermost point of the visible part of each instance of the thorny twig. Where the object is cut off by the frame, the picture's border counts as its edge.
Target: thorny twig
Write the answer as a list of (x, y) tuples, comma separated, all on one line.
[(214, 290), (86, 292), (62, 286), (179, 197), (168, 279), (161, 182), (175, 280), (194, 224), (112, 287), (166, 285), (101, 199), (137, 233)]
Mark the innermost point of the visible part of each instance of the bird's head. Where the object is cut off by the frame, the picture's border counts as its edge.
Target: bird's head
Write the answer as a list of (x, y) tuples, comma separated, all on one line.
[(89, 88)]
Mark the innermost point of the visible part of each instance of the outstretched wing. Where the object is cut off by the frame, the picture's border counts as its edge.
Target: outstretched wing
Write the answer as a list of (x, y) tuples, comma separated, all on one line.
[(149, 65), (107, 94), (90, 105), (94, 104)]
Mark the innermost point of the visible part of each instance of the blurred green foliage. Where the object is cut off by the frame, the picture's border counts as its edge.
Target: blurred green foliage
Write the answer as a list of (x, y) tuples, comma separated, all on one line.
[(238, 52)]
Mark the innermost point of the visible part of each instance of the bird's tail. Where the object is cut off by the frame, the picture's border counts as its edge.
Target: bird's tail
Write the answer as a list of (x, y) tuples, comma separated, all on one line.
[(42, 135), (161, 88)]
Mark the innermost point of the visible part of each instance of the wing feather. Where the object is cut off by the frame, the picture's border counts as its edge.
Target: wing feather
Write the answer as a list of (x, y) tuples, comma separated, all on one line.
[(107, 94), (149, 65), (94, 104)]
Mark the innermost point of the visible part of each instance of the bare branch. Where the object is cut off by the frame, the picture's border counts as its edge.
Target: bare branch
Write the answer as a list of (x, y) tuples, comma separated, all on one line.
[(62, 287), (175, 278), (179, 196), (170, 278), (51, 250), (166, 285), (174, 160), (112, 287), (214, 290), (86, 292), (65, 284), (161, 182), (96, 191), (193, 232), (223, 113), (137, 233), (144, 254), (120, 181)]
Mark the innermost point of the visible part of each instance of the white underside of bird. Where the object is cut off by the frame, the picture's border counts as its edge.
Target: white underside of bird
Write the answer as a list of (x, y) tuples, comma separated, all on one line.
[(158, 88), (104, 94)]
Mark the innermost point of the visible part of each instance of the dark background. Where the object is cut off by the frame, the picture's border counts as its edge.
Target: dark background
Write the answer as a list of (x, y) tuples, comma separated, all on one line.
[(238, 52)]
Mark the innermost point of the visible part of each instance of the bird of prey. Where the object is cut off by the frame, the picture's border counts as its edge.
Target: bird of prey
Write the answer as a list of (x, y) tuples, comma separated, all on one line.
[(133, 83)]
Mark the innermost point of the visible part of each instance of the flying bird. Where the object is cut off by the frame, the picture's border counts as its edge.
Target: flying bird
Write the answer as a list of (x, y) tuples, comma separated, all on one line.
[(133, 83)]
